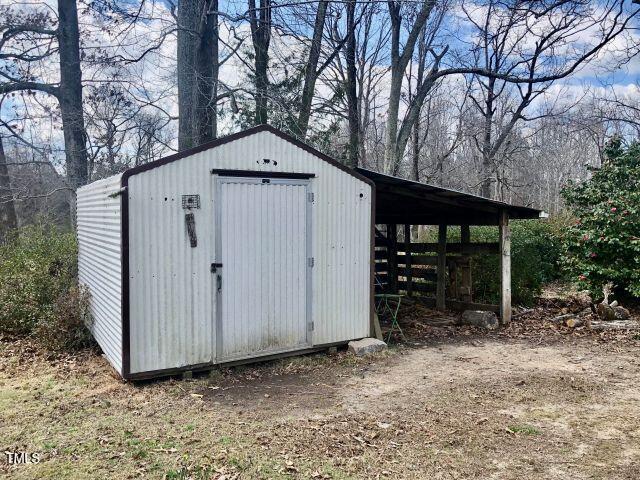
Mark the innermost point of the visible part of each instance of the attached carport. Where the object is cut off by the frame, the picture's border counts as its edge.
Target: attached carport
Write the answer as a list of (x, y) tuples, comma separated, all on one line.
[(439, 272)]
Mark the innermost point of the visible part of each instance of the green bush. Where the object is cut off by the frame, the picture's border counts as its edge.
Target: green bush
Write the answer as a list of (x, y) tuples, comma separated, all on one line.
[(38, 291), (66, 328), (536, 247), (604, 243)]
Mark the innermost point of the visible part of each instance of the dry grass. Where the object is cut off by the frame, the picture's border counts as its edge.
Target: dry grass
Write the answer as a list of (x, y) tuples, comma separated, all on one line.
[(521, 403)]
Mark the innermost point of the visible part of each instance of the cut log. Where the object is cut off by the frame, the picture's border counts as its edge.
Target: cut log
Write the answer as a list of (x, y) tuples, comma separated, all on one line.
[(562, 318), (599, 325), (574, 322)]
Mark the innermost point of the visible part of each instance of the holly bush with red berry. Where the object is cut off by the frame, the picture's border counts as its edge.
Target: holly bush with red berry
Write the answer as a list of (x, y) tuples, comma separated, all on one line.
[(604, 243)]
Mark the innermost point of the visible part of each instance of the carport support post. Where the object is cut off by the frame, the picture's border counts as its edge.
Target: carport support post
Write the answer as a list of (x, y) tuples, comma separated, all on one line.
[(465, 289), (407, 255), (442, 265), (392, 237), (505, 268)]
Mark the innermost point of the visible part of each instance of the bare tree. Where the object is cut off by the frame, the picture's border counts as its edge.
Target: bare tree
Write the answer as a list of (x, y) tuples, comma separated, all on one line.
[(357, 54), (401, 55), (552, 27), (439, 132), (311, 72), (29, 37), (535, 44)]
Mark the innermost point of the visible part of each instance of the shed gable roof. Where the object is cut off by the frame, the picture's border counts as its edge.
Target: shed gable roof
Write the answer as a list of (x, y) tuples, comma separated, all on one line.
[(237, 136)]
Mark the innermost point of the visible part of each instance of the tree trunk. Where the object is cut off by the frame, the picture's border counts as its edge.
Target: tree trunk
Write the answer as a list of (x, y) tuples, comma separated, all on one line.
[(487, 159), (207, 71), (70, 94), (261, 37), (352, 94), (8, 218), (197, 71), (186, 53), (415, 151), (390, 157), (311, 74), (395, 146)]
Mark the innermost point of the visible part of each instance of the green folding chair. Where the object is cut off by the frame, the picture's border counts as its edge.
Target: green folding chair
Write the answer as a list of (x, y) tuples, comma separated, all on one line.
[(389, 303)]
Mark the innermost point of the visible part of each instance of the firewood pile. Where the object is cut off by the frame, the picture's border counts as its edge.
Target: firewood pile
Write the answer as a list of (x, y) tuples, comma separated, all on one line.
[(602, 316)]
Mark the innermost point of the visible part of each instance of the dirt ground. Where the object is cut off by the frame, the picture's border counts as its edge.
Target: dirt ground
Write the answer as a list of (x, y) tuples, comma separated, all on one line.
[(533, 400)]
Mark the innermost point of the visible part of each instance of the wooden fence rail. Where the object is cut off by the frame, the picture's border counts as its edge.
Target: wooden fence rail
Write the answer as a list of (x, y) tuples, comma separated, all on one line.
[(412, 267)]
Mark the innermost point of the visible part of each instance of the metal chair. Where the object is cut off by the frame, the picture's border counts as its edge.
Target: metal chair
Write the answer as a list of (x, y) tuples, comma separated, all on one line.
[(388, 303)]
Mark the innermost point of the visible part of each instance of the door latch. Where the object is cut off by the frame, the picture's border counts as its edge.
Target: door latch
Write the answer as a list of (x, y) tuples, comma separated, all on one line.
[(215, 267)]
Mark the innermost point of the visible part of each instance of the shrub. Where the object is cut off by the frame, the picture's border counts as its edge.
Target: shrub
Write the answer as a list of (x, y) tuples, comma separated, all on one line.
[(604, 243), (536, 248), (38, 291), (66, 328)]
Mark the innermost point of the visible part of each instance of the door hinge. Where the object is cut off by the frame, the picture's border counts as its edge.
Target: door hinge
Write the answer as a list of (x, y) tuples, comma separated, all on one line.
[(311, 261), (311, 326), (311, 197)]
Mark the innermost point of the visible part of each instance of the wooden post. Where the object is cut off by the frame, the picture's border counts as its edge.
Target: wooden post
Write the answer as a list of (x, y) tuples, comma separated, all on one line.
[(453, 285), (407, 255), (392, 237), (376, 330), (442, 265), (505, 268), (465, 280)]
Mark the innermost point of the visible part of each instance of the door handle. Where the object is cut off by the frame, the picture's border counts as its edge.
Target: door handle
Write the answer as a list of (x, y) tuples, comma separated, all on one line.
[(219, 282)]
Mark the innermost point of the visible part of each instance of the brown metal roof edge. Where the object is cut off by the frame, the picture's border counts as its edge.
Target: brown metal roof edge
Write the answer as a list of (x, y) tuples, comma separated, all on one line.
[(434, 189)]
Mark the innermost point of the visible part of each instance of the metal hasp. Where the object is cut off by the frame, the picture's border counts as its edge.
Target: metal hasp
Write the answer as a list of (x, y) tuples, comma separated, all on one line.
[(215, 267)]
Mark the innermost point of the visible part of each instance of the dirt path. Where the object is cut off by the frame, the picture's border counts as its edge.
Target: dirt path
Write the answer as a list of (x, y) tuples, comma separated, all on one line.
[(464, 407)]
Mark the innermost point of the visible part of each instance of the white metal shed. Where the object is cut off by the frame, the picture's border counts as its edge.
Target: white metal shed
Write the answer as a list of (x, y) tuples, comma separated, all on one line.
[(249, 246)]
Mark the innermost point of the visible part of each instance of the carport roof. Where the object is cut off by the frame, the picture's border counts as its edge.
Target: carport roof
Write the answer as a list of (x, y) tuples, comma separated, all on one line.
[(402, 201)]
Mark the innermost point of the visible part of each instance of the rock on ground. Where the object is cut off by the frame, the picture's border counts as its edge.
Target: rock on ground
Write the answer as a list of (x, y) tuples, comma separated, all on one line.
[(366, 346), (479, 318)]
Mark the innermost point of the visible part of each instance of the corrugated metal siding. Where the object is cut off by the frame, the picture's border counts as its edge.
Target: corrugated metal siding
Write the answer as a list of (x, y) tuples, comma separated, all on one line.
[(99, 262), (264, 291), (172, 290)]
